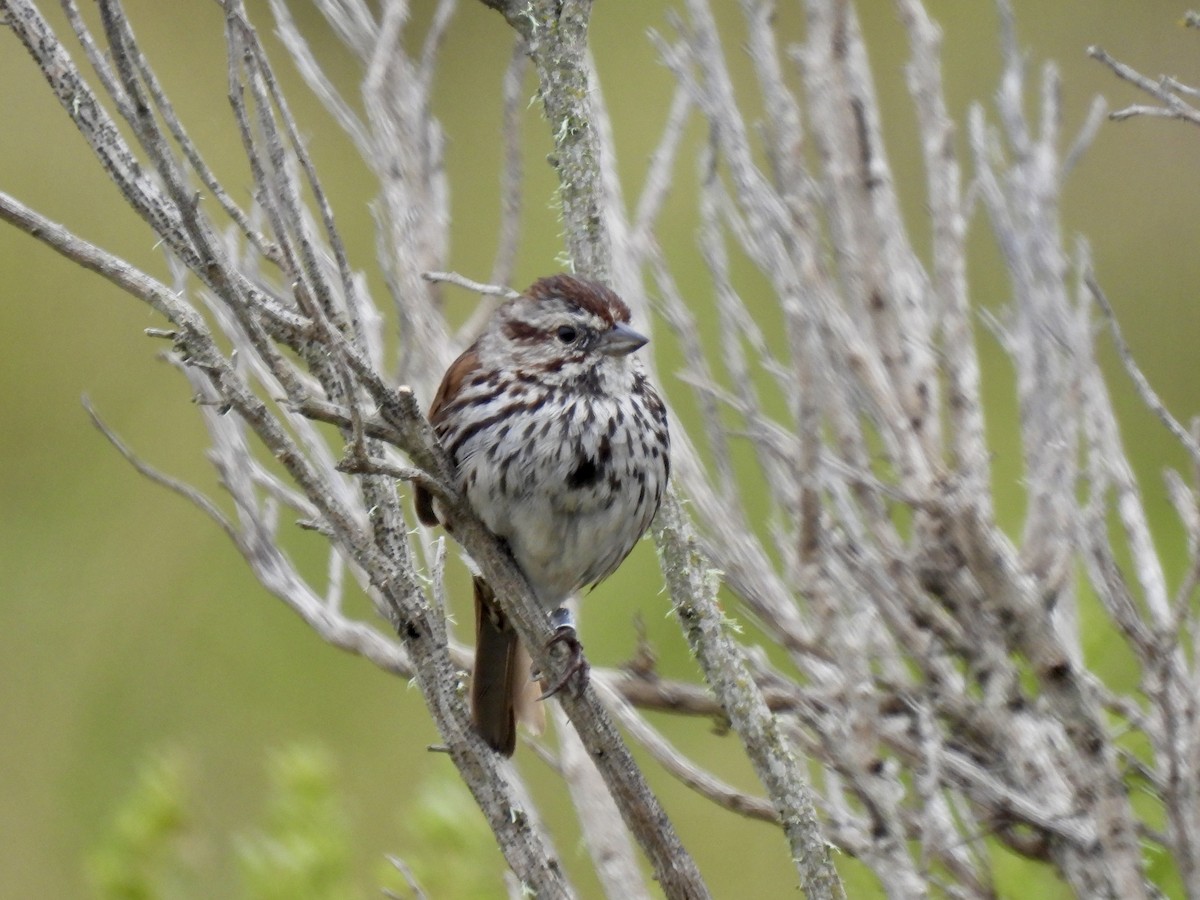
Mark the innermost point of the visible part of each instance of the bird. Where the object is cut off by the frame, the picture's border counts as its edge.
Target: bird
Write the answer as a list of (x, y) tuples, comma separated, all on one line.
[(561, 447)]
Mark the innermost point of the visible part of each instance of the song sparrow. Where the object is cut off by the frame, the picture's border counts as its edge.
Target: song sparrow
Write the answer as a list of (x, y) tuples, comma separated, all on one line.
[(561, 448)]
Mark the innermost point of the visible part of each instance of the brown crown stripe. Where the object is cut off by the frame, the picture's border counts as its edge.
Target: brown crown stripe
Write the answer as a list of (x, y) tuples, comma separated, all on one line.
[(587, 295)]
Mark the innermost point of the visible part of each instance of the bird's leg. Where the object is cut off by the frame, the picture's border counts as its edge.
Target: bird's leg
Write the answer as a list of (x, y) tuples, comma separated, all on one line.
[(564, 633)]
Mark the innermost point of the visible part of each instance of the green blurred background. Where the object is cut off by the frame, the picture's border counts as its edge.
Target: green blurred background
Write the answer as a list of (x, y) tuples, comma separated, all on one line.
[(128, 626)]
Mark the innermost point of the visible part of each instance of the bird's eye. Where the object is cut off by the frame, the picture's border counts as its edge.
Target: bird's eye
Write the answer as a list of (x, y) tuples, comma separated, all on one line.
[(567, 334)]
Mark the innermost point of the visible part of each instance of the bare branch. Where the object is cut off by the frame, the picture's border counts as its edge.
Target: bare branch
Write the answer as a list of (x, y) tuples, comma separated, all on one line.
[(912, 677), (1165, 90)]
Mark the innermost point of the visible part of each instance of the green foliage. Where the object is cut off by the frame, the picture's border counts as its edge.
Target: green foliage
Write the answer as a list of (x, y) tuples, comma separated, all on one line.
[(140, 858), (445, 824), (303, 850)]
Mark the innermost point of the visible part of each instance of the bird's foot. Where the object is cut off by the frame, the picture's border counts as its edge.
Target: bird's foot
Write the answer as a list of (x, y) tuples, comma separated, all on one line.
[(576, 667)]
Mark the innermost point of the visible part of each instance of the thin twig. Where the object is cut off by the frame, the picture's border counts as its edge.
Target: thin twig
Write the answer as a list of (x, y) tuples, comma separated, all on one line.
[(490, 290)]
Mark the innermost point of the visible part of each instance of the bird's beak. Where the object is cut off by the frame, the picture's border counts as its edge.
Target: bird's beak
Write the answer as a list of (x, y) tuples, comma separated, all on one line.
[(621, 340)]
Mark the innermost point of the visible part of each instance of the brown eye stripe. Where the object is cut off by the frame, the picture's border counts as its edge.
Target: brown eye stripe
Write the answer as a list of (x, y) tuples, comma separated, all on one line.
[(516, 330), (524, 333)]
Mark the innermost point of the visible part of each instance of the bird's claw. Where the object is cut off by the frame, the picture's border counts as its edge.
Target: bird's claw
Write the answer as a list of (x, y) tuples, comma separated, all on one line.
[(577, 666)]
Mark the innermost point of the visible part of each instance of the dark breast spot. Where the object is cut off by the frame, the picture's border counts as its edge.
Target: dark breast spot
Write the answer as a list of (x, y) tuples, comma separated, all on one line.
[(585, 473)]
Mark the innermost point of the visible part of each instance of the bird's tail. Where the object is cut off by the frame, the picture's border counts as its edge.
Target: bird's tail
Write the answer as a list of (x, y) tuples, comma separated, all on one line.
[(503, 691)]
